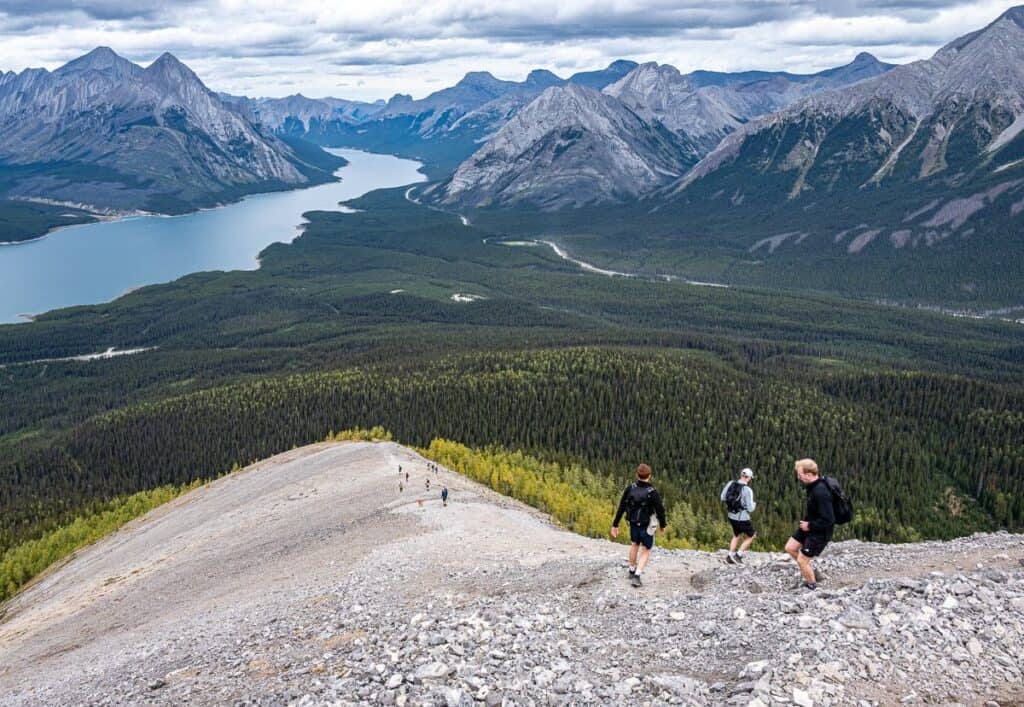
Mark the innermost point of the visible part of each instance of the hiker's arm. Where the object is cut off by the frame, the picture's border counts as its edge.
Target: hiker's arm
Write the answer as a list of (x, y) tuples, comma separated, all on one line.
[(621, 509), (826, 515), (659, 509), (748, 499)]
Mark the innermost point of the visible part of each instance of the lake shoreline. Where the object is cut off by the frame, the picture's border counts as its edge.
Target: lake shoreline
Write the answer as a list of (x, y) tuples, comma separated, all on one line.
[(126, 251), (115, 216)]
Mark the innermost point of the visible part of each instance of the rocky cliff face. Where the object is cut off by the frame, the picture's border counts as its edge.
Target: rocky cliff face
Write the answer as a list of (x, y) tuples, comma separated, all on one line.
[(696, 112), (311, 579), (707, 106), (570, 146), (104, 131), (445, 127), (941, 137)]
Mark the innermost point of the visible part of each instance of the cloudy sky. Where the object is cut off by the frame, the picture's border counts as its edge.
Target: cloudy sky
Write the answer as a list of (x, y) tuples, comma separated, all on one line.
[(367, 49)]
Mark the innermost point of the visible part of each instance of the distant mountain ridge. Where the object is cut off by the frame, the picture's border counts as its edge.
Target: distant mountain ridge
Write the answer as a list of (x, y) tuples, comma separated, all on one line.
[(691, 114), (443, 128), (103, 131), (706, 106), (903, 182), (937, 141), (573, 145)]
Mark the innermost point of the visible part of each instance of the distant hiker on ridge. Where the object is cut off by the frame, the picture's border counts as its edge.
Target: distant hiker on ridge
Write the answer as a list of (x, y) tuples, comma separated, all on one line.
[(640, 503), (444, 495), (815, 530), (739, 504)]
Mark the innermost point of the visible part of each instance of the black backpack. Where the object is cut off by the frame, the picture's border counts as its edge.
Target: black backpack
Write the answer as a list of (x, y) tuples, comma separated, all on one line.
[(734, 497), (842, 506), (638, 502)]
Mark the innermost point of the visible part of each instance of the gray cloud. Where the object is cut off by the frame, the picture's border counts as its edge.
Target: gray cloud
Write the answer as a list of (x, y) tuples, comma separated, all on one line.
[(311, 45), (96, 9), (93, 9)]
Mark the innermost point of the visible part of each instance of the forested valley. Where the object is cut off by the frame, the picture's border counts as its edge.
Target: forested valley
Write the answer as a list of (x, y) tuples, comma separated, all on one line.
[(555, 376)]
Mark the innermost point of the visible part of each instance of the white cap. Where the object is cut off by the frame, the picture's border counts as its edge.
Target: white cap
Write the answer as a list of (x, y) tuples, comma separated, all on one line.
[(748, 473)]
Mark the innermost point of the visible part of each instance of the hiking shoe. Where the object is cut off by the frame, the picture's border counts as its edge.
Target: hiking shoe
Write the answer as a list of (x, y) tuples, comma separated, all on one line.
[(730, 558), (810, 585), (739, 559), (635, 579)]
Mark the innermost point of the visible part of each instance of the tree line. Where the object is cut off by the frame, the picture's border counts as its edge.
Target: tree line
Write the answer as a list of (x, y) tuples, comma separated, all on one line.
[(924, 455)]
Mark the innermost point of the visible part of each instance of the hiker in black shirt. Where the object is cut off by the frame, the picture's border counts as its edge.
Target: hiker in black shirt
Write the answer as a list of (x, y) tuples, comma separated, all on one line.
[(815, 530), (641, 504)]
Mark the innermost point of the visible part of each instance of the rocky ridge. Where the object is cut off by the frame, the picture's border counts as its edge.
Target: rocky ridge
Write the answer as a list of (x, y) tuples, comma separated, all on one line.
[(446, 126), (974, 84), (707, 106), (104, 131), (692, 113), (310, 579), (570, 146)]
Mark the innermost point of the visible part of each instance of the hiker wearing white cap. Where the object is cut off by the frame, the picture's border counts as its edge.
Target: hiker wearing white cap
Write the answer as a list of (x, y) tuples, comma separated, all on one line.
[(739, 504)]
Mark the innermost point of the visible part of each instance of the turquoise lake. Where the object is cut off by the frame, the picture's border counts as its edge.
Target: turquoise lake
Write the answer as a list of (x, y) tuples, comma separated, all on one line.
[(98, 262)]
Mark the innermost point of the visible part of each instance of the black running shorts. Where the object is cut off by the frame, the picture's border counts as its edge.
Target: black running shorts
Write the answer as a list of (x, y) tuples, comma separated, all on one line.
[(742, 527), (813, 543), (638, 535)]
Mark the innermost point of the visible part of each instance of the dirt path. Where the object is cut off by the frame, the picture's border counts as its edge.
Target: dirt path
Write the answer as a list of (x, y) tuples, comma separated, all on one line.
[(285, 526), (310, 578)]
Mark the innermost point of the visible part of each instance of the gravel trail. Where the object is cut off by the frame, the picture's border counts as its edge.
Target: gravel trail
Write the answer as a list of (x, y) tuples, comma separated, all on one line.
[(310, 579)]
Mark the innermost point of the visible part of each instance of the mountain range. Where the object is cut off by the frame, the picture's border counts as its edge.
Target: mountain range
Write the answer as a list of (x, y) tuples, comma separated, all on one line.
[(865, 159), (104, 132), (443, 128), (903, 181), (693, 112)]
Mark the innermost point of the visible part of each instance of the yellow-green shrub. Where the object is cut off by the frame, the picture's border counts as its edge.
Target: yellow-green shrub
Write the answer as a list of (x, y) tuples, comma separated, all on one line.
[(578, 499), (23, 562)]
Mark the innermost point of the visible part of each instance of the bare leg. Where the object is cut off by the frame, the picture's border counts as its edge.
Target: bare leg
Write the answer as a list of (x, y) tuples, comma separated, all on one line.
[(632, 554), (805, 567), (747, 540), (645, 555), (793, 547), (733, 543)]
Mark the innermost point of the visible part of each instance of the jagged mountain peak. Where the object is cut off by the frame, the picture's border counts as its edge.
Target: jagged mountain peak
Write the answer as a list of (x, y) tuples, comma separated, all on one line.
[(102, 110), (543, 77), (570, 146), (102, 59), (96, 58), (647, 75), (169, 64), (480, 79), (1015, 13), (570, 95), (603, 77), (1007, 26), (621, 64)]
